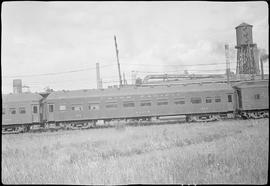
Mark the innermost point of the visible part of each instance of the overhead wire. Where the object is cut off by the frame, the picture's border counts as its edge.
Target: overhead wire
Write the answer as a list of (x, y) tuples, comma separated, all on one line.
[(56, 73), (104, 80), (180, 65), (104, 66)]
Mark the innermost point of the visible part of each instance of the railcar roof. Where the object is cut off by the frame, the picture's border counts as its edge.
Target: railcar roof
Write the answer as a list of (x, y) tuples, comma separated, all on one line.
[(21, 97), (252, 84), (138, 91)]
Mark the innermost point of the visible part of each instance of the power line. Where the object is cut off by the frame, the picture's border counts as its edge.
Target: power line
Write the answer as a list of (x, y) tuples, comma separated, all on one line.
[(180, 65), (110, 79), (56, 73), (214, 70), (93, 68)]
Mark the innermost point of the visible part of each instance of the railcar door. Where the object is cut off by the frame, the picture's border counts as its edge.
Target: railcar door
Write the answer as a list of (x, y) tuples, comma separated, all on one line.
[(230, 105), (239, 97), (35, 113), (51, 112)]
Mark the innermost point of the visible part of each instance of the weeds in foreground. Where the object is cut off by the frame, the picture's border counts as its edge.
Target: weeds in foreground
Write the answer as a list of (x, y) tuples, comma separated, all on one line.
[(219, 152)]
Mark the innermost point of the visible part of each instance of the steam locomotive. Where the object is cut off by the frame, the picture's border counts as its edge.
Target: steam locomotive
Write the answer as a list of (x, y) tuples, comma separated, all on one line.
[(78, 109)]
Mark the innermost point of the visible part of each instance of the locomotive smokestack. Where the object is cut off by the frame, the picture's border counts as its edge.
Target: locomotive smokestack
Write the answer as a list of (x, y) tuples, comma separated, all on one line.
[(99, 83), (133, 77), (262, 68), (263, 58), (17, 86)]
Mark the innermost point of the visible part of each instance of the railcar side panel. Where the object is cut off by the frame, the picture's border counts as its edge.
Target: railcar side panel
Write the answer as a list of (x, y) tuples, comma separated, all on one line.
[(255, 98), (21, 113), (252, 95), (133, 106)]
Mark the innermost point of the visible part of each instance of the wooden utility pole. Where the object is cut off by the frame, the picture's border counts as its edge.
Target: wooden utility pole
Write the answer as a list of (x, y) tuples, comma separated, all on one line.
[(119, 72)]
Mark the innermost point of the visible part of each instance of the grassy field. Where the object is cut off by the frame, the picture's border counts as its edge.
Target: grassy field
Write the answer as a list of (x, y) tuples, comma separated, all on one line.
[(215, 152)]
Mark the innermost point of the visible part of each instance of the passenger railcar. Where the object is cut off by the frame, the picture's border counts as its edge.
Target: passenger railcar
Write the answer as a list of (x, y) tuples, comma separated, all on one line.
[(85, 107), (252, 98), (20, 111)]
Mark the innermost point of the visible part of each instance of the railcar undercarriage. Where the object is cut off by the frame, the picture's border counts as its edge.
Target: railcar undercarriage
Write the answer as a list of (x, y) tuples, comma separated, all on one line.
[(120, 122), (254, 114)]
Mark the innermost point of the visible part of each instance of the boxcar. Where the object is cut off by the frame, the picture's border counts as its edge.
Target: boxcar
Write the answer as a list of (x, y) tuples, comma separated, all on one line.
[(139, 102), (20, 110)]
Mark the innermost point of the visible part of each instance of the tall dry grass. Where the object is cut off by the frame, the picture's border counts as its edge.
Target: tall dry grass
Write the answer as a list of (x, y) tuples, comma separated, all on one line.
[(216, 152)]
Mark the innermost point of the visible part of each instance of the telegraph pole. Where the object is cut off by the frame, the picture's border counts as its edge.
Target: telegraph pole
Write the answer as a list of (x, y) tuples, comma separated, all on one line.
[(119, 72)]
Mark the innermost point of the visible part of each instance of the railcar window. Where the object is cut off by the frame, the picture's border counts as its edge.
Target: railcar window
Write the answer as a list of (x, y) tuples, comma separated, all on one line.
[(217, 99), (196, 100), (22, 110), (162, 102), (50, 108), (145, 96), (229, 98), (77, 108), (12, 111), (145, 103), (111, 105), (93, 106), (257, 96), (128, 104), (62, 107), (208, 100), (179, 101), (35, 109)]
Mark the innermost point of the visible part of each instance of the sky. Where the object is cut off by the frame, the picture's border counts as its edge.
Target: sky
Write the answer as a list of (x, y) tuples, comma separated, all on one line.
[(57, 44)]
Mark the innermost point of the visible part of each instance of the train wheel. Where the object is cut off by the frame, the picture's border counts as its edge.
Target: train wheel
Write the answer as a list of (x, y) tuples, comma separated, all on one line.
[(244, 115), (266, 115)]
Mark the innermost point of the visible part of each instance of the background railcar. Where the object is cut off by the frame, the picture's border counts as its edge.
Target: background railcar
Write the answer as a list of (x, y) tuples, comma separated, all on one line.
[(140, 102), (252, 97), (20, 110)]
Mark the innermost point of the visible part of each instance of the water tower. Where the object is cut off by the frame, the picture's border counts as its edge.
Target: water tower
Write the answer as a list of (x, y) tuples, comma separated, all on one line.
[(247, 52)]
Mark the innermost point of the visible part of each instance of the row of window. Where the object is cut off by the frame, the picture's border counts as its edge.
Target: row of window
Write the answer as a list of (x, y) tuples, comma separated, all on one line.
[(145, 96), (144, 103), (21, 110)]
